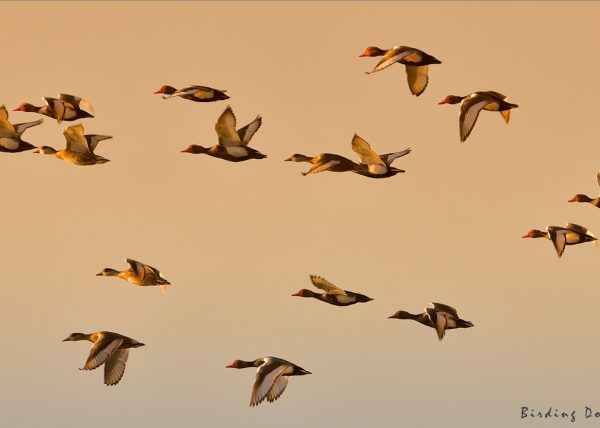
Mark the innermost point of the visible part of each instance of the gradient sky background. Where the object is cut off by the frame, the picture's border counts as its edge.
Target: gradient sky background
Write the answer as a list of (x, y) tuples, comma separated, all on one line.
[(237, 239)]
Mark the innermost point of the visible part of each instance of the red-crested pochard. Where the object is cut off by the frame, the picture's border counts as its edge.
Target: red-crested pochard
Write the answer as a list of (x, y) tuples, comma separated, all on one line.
[(271, 377), (472, 104), (571, 234), (584, 198), (374, 165), (233, 144), (10, 134), (110, 349), (65, 107), (201, 94), (441, 317), (80, 148), (333, 294), (416, 61)]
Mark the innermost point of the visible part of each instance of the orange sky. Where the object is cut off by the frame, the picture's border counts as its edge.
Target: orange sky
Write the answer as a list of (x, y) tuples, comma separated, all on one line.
[(237, 239)]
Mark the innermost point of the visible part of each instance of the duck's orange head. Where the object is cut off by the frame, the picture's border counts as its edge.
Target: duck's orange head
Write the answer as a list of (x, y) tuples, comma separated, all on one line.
[(165, 89), (372, 51), (194, 149), (25, 107), (304, 293), (579, 198), (535, 233), (451, 99)]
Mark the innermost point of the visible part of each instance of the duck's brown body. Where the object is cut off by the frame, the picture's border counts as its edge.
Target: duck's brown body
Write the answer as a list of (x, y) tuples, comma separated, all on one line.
[(472, 104), (80, 147), (110, 349), (138, 274), (441, 318), (571, 234), (416, 61), (200, 94), (373, 165), (233, 144), (333, 294), (65, 107), (271, 377)]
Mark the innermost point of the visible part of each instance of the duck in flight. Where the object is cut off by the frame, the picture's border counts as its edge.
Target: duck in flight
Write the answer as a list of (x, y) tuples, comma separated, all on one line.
[(138, 274), (332, 294), (472, 104), (440, 317), (416, 61), (10, 134), (584, 198), (372, 164), (110, 349), (201, 94), (271, 377), (571, 234), (233, 144), (325, 162), (80, 147), (65, 107)]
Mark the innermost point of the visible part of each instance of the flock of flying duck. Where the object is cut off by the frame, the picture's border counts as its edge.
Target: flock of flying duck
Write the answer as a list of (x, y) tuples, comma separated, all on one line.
[(112, 349)]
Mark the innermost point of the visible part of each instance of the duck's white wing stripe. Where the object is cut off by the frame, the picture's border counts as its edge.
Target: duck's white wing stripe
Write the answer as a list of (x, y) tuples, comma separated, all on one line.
[(440, 325), (101, 350), (390, 157), (387, 61), (320, 168), (559, 241), (265, 381), (248, 131), (277, 389), (114, 368), (468, 117)]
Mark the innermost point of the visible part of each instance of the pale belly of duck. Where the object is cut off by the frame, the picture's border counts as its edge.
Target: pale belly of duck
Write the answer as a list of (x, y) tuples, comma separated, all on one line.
[(237, 151), (377, 169), (9, 143)]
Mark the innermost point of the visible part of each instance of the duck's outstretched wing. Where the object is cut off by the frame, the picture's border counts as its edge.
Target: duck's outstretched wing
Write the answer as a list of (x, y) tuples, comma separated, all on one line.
[(94, 139), (21, 127), (247, 132), (7, 129), (102, 350), (391, 57), (323, 284), (114, 368), (388, 158), (418, 78), (225, 128), (76, 141), (469, 112), (266, 377), (445, 308), (78, 102), (363, 149)]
